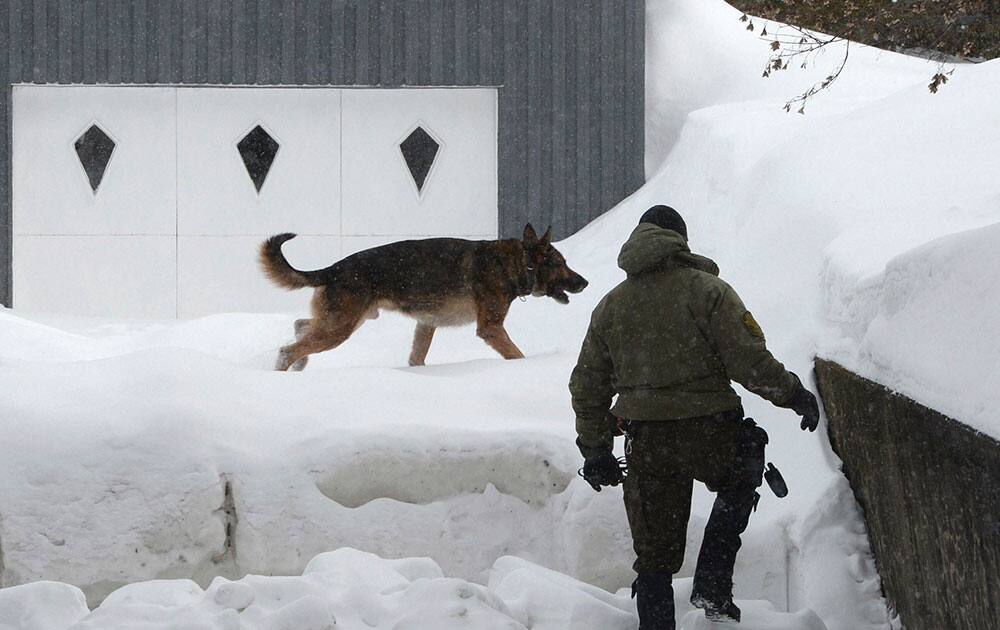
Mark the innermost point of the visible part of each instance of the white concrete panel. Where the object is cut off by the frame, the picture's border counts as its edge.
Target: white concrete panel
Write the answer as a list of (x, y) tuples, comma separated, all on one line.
[(51, 192), (221, 274), (121, 276), (460, 193), (302, 190)]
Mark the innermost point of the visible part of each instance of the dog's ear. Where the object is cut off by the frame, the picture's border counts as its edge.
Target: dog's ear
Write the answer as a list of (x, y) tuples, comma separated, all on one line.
[(530, 237), (546, 238)]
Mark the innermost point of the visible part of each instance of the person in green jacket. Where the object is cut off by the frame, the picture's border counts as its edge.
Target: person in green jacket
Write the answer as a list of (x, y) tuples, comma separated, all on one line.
[(668, 341)]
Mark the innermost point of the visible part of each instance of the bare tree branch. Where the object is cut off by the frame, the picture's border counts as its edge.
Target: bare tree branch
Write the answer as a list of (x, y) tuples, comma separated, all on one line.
[(942, 32)]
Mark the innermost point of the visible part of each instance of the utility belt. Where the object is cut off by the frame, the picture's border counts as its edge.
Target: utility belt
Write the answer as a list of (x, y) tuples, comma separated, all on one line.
[(749, 461)]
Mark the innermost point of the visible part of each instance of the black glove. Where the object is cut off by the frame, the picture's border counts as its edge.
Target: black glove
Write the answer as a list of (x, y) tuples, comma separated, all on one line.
[(804, 403), (602, 470), (600, 467)]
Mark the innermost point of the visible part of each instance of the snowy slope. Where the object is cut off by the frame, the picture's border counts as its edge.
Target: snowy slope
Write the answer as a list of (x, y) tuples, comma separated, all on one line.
[(834, 208), (139, 450), (700, 54)]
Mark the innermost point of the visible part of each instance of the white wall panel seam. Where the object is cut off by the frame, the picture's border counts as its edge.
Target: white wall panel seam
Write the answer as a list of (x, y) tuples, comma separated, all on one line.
[(177, 261), (340, 169)]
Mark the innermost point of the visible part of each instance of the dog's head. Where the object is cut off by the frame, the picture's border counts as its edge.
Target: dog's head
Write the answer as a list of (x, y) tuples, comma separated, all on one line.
[(552, 276)]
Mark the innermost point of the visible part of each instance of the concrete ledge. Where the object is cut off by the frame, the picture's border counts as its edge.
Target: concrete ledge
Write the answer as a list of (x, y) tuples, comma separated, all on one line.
[(930, 490)]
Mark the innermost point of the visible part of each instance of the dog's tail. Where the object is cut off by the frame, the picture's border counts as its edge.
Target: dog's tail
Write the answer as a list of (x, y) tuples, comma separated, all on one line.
[(277, 269)]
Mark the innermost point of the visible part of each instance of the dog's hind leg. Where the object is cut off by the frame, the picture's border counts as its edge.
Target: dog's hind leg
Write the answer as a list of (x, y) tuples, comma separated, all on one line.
[(422, 338), (315, 340), (285, 359), (301, 326), (326, 332)]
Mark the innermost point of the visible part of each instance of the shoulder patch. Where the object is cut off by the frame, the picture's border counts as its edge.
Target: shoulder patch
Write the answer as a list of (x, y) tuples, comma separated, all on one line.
[(752, 325)]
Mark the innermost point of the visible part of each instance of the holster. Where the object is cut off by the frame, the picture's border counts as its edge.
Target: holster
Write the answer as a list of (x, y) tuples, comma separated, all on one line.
[(751, 457), (752, 460)]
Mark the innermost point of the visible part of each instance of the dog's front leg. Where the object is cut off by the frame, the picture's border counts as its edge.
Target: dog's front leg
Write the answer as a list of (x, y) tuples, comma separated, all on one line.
[(490, 316), (498, 339), (489, 327)]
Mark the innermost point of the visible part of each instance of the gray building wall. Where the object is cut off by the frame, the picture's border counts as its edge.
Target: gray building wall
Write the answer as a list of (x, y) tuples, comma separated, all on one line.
[(570, 75)]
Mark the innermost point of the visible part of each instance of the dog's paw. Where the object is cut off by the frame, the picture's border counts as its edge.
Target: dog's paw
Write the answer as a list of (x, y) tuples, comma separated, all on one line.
[(281, 363), (299, 365)]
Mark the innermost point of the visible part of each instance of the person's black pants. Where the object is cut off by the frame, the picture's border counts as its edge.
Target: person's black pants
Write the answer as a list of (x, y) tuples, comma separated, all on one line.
[(665, 459)]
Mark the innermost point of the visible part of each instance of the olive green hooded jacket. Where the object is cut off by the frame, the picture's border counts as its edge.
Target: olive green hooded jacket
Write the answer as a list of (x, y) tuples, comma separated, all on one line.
[(668, 341)]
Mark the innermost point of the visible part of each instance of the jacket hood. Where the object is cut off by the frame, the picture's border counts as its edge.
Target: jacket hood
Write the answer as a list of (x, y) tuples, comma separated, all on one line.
[(651, 247)]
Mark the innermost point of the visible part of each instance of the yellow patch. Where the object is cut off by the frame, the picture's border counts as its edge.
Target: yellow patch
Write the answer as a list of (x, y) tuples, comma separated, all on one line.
[(752, 325)]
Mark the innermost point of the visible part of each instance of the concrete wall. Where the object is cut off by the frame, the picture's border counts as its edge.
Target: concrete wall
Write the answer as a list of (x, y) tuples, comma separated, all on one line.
[(930, 490), (570, 72)]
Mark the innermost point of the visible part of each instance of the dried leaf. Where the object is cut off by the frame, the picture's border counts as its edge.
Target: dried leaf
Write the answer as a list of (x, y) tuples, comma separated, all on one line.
[(937, 81), (775, 45)]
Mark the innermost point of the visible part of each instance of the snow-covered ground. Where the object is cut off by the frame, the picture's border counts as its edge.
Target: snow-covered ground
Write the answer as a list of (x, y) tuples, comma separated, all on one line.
[(148, 450)]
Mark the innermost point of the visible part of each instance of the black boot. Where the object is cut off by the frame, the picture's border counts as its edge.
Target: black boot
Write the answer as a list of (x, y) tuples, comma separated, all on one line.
[(716, 610), (654, 600)]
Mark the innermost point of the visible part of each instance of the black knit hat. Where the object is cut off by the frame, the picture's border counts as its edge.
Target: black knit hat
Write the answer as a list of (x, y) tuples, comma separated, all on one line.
[(667, 218)]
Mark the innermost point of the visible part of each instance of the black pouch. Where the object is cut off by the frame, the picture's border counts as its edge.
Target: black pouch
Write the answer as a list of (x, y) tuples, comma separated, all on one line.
[(775, 481)]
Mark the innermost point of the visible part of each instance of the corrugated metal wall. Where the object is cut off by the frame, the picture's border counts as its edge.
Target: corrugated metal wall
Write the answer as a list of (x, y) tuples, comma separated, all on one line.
[(570, 74)]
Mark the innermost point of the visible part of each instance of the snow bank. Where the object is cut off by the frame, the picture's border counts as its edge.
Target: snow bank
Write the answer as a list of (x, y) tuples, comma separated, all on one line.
[(344, 589), (168, 463), (926, 326), (354, 590), (41, 606), (698, 54)]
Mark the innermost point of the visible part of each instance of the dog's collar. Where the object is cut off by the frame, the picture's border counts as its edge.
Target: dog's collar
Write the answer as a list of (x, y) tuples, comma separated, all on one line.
[(527, 283)]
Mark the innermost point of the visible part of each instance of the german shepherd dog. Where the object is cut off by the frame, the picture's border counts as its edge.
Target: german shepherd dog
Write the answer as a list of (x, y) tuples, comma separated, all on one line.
[(436, 281)]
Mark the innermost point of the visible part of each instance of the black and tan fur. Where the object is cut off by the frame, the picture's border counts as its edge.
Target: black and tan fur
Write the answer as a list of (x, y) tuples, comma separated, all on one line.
[(438, 282)]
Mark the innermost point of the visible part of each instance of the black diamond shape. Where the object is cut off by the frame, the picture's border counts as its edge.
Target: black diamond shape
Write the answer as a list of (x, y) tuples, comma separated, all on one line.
[(258, 150), (419, 150), (94, 148)]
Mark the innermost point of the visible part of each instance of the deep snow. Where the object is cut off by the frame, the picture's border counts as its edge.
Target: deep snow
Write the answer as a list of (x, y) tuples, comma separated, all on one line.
[(352, 589), (833, 208), (128, 449)]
